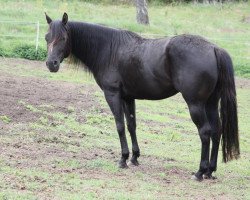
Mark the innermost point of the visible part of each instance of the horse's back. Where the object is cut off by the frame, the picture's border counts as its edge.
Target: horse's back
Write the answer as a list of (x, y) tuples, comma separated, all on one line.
[(157, 69)]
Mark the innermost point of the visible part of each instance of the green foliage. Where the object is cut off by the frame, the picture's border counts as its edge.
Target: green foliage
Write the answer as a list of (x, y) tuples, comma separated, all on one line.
[(29, 52), (160, 2), (110, 1), (243, 70), (1, 51), (23, 50)]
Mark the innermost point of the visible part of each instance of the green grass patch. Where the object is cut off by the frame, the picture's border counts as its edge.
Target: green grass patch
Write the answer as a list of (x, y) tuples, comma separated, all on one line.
[(5, 119)]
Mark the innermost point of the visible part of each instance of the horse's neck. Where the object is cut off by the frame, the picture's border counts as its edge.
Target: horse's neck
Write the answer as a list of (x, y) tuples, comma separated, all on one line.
[(90, 44)]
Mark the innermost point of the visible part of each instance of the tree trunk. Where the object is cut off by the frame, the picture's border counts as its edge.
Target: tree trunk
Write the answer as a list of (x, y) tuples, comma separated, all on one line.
[(142, 12)]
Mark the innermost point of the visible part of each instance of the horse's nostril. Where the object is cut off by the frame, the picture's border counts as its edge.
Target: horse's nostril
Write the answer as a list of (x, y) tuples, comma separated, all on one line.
[(55, 63)]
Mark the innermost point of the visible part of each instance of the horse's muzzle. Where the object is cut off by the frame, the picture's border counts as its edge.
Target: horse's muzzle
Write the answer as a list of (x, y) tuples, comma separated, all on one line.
[(53, 66)]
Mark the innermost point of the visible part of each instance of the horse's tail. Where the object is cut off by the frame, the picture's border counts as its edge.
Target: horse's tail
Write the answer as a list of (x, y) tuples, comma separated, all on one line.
[(228, 106)]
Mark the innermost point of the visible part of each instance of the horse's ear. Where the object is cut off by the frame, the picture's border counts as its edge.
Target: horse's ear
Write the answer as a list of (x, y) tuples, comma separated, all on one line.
[(49, 20), (65, 18)]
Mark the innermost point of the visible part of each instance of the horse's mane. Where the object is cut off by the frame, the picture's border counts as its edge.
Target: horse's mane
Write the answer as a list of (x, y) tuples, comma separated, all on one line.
[(88, 42)]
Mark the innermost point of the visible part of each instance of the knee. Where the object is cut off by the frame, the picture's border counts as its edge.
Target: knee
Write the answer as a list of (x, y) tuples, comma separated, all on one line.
[(196, 115), (205, 133), (120, 128), (131, 126)]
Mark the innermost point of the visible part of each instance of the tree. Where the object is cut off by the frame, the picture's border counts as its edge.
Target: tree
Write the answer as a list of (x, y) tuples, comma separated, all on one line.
[(142, 12)]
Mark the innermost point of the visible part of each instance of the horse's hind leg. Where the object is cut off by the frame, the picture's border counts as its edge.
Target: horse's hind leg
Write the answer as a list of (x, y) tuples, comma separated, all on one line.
[(198, 114), (129, 110), (213, 117)]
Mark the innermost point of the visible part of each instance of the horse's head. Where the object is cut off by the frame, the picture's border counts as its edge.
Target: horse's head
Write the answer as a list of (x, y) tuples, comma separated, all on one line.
[(58, 42)]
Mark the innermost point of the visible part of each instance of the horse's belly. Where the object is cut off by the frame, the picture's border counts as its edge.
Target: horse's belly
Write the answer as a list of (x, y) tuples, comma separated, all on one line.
[(150, 91)]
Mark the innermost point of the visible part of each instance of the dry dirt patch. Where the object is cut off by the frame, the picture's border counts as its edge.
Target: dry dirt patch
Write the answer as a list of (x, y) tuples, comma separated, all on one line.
[(15, 91)]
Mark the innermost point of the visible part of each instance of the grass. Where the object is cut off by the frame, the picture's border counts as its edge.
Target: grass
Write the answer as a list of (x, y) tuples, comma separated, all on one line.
[(5, 119), (57, 157), (221, 24)]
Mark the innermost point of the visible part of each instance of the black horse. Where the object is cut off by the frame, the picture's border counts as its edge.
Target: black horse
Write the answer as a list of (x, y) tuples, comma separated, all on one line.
[(128, 67)]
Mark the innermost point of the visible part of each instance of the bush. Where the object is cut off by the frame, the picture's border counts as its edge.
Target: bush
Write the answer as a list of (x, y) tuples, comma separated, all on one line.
[(4, 52), (1, 52), (29, 52), (164, 2), (110, 1)]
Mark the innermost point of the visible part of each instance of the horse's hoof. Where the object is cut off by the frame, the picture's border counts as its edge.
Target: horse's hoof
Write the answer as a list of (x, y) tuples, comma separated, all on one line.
[(133, 163), (123, 165), (194, 177), (209, 176)]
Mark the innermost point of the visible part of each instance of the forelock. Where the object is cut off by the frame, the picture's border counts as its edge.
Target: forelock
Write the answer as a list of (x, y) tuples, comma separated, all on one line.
[(58, 30)]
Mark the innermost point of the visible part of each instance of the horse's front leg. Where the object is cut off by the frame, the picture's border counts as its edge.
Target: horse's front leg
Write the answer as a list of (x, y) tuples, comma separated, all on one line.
[(115, 103), (129, 110)]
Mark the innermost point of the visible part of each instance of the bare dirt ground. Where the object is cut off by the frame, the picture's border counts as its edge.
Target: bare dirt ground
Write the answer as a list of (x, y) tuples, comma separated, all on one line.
[(38, 91)]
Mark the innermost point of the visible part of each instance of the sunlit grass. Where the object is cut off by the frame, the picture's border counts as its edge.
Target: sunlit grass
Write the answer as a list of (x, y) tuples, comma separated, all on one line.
[(221, 24)]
